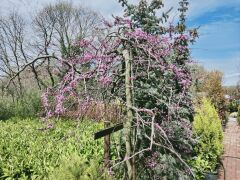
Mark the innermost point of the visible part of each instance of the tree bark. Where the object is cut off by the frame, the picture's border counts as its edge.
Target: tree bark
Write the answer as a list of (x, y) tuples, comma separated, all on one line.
[(129, 119)]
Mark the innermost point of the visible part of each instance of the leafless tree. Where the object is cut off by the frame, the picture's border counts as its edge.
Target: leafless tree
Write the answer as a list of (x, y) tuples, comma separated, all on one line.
[(60, 25), (53, 31), (12, 47), (15, 55)]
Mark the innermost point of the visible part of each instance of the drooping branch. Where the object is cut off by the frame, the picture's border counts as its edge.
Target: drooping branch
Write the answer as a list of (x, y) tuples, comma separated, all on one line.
[(149, 62), (29, 64)]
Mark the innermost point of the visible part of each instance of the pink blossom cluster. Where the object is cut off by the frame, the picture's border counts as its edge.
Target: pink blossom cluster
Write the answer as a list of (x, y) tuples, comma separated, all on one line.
[(44, 98), (105, 80), (138, 34), (183, 78), (152, 161), (84, 43), (102, 59), (59, 104), (122, 21), (182, 37)]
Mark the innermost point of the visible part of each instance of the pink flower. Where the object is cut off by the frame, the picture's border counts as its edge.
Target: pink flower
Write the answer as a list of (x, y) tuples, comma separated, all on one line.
[(87, 57), (49, 114), (84, 43), (102, 68), (45, 99), (105, 80), (122, 21), (59, 104)]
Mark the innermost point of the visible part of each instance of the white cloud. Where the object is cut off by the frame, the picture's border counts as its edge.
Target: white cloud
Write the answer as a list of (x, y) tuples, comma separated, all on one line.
[(232, 75), (229, 66), (109, 7), (198, 7)]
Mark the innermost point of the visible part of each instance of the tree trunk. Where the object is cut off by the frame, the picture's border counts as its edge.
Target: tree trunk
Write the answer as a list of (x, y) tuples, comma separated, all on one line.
[(129, 120)]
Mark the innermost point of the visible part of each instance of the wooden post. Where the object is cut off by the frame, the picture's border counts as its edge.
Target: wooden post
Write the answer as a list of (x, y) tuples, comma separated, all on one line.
[(108, 131), (106, 155), (106, 134)]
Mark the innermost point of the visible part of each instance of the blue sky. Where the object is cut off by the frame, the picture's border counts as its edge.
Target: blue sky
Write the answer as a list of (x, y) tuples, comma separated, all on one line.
[(218, 47), (219, 44)]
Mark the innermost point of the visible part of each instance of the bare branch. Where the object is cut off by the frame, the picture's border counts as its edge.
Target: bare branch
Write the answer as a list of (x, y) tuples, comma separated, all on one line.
[(28, 64)]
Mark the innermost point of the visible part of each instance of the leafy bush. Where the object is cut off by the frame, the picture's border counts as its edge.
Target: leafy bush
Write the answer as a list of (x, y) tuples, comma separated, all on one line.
[(29, 150), (5, 110), (212, 87), (208, 130), (77, 168), (238, 116), (234, 115), (233, 106), (27, 106)]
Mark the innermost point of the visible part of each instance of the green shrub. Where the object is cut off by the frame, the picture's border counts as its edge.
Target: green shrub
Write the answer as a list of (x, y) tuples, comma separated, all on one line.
[(238, 116), (233, 114), (27, 106), (29, 151), (5, 110), (233, 106), (208, 130), (77, 168)]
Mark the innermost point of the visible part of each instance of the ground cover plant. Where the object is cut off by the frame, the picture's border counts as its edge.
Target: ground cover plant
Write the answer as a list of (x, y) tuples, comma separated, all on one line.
[(29, 150)]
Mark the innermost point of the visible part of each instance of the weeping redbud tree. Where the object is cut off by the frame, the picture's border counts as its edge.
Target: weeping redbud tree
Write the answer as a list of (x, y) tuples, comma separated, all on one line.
[(145, 66)]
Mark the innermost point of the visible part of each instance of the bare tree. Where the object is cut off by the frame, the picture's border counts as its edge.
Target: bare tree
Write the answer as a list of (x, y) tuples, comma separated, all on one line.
[(12, 45), (57, 27), (53, 31), (15, 54)]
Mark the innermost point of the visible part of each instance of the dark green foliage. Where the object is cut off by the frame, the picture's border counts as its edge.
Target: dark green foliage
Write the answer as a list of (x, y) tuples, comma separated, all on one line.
[(233, 106), (5, 111), (168, 167), (161, 90), (144, 15), (181, 28)]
